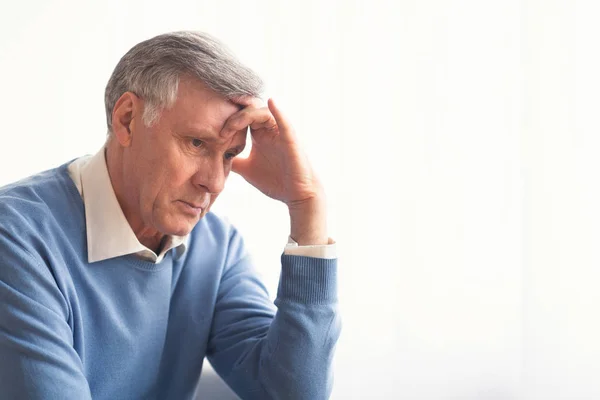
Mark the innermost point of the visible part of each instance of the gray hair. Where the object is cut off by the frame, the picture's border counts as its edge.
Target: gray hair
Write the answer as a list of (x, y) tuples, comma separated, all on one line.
[(152, 70)]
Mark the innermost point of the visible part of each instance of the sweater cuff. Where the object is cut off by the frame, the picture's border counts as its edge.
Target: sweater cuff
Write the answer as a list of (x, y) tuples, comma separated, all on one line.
[(308, 280)]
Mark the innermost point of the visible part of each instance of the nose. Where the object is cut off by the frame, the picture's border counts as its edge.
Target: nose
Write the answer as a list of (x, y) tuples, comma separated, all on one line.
[(211, 175)]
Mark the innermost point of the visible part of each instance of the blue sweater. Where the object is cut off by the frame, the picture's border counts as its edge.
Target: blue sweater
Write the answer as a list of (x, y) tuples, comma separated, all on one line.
[(125, 328)]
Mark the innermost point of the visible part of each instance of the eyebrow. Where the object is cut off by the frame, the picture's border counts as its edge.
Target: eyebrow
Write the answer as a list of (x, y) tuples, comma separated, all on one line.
[(190, 130), (207, 137), (201, 134)]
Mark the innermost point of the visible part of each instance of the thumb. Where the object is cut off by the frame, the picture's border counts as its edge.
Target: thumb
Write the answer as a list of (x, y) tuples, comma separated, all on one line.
[(282, 122), (240, 166)]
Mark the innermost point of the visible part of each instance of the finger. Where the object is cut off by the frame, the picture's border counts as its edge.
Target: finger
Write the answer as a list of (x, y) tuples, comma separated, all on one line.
[(247, 100), (266, 124), (285, 129), (256, 118), (244, 118)]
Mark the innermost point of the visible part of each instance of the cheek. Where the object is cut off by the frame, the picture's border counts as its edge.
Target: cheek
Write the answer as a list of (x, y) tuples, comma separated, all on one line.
[(158, 186), (176, 166), (177, 178)]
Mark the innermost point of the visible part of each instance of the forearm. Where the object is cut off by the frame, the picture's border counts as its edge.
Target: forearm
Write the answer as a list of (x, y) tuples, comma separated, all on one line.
[(287, 356), (307, 327)]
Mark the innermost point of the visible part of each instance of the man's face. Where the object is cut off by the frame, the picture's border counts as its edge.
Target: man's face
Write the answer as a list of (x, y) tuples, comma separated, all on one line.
[(177, 167)]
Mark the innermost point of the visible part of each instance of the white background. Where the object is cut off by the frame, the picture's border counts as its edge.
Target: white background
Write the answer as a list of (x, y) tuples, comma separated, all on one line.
[(458, 143)]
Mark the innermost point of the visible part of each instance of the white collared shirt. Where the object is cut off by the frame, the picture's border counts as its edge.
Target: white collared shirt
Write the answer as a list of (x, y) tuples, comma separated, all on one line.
[(110, 235)]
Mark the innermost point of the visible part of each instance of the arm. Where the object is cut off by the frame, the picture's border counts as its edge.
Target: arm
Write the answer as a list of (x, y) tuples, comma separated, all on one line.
[(284, 355), (291, 357), (37, 358)]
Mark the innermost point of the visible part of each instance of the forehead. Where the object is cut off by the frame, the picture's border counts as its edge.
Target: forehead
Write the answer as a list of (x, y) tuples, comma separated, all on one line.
[(199, 109)]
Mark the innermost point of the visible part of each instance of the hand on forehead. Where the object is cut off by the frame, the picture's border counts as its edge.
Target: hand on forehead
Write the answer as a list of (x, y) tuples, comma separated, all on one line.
[(253, 114)]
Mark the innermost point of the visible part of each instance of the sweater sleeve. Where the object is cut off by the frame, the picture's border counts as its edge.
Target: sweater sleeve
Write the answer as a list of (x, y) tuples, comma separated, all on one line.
[(263, 353), (37, 358)]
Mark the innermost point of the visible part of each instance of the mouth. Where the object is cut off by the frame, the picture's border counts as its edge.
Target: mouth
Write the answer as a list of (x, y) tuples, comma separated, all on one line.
[(193, 208)]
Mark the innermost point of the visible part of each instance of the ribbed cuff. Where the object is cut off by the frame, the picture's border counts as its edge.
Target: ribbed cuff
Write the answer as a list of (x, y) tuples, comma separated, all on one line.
[(308, 280)]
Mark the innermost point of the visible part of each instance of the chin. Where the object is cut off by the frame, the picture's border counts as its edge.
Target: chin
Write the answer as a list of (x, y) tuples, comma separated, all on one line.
[(182, 230), (181, 227)]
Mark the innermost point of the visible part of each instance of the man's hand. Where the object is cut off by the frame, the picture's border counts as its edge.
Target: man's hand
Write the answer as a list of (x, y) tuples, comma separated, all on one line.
[(277, 167)]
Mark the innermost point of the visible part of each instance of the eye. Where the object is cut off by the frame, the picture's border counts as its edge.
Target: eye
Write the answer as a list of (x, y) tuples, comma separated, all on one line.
[(197, 143), (230, 156)]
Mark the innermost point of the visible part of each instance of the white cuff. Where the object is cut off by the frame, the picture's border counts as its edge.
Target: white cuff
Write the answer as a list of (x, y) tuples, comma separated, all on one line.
[(327, 251)]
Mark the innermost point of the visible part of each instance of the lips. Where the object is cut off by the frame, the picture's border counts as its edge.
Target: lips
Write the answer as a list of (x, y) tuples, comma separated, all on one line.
[(193, 205), (203, 205)]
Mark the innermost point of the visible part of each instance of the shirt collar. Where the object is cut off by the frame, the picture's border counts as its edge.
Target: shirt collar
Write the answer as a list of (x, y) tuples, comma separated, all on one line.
[(109, 234)]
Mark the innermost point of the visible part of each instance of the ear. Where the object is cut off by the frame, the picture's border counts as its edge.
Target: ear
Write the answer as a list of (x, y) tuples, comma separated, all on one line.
[(126, 112)]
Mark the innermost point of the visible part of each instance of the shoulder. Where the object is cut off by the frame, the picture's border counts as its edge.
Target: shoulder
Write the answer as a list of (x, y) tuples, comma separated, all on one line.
[(29, 206), (24, 201), (28, 230)]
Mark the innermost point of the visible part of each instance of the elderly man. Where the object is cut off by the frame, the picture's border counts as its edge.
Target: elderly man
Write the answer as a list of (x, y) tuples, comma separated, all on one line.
[(116, 280)]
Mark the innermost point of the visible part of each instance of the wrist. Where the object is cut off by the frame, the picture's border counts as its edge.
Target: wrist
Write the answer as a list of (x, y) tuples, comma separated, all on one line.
[(308, 222)]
